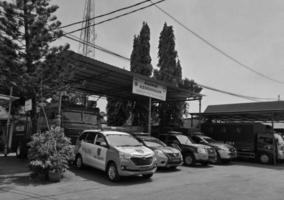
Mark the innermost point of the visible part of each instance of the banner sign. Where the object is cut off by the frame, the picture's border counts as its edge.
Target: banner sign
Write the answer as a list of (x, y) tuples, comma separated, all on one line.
[(149, 89), (28, 105)]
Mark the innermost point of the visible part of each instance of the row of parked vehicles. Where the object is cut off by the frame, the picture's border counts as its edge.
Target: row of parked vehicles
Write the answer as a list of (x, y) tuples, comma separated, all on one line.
[(126, 154)]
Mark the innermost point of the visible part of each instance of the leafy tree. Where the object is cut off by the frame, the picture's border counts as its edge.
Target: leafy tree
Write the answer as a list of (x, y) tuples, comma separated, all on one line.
[(28, 61), (140, 57), (141, 63), (119, 110), (169, 71)]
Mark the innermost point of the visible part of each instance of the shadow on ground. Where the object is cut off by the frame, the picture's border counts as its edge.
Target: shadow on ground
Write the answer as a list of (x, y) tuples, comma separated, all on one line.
[(252, 163), (92, 174), (14, 171)]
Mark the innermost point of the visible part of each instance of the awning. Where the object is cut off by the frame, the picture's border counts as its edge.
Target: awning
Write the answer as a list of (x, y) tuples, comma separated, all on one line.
[(98, 78), (259, 111), (4, 99)]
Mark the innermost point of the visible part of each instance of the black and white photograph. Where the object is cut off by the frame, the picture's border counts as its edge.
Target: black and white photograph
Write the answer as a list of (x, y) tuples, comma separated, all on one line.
[(141, 99)]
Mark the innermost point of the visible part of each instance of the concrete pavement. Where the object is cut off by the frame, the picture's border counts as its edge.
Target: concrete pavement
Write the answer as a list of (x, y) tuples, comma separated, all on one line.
[(239, 180)]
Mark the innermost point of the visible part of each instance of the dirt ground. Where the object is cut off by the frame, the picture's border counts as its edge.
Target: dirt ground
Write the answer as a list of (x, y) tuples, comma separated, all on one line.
[(238, 180)]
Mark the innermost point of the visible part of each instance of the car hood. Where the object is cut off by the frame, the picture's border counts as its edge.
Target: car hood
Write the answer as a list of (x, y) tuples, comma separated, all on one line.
[(196, 145), (136, 150), (167, 149), (221, 145)]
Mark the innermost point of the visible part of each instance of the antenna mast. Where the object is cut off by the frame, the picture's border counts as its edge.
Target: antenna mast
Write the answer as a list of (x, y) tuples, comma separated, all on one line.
[(88, 34)]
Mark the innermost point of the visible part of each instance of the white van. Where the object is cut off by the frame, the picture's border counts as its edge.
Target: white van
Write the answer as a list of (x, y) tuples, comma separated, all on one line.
[(116, 153)]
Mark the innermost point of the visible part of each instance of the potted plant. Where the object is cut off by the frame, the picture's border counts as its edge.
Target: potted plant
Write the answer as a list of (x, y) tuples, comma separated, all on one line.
[(49, 154)]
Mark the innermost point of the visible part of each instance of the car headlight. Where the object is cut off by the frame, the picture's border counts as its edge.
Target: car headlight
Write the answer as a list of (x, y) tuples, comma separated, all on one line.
[(124, 156), (201, 150), (222, 149), (159, 153)]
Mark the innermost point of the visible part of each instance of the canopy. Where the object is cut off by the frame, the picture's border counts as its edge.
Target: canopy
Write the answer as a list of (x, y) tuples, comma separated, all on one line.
[(95, 77)]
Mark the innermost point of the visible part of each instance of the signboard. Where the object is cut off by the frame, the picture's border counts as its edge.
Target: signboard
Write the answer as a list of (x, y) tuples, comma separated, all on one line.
[(149, 89), (28, 105)]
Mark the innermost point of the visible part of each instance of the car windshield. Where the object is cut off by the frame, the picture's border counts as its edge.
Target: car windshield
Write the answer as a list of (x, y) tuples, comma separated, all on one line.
[(153, 143), (122, 140), (279, 139), (209, 140), (184, 139)]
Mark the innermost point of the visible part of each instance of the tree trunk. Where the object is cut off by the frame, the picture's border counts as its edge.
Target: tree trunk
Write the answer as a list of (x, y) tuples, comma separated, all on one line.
[(34, 116)]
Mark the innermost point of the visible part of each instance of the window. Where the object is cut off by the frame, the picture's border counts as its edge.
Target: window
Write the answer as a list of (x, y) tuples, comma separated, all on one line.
[(72, 116), (265, 140), (82, 136), (100, 140), (90, 137), (90, 118)]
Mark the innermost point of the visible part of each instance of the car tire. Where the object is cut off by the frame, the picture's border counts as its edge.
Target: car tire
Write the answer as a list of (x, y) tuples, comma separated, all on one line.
[(147, 176), (204, 163), (173, 167), (264, 158), (79, 162), (189, 160), (112, 172)]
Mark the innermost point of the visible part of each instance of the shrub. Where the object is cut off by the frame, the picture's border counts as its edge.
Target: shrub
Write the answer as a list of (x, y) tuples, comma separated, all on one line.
[(49, 151)]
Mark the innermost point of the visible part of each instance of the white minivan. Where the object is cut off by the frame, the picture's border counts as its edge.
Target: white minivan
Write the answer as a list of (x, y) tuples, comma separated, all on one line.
[(116, 153)]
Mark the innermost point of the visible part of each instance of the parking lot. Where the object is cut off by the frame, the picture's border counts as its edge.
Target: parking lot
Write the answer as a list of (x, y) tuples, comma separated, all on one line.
[(239, 180)]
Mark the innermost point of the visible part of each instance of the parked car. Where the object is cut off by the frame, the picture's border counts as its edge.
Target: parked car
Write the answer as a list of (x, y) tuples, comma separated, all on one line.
[(166, 156), (192, 153), (116, 153), (225, 152)]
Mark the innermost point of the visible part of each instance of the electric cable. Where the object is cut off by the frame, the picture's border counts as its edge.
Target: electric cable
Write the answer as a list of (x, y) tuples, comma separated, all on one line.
[(216, 48), (106, 14), (113, 18)]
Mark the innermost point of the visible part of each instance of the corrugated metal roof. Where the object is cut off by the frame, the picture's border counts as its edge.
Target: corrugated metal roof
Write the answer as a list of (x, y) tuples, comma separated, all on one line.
[(246, 107), (257, 111), (95, 77)]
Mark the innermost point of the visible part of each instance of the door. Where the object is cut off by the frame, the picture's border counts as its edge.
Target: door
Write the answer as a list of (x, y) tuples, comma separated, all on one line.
[(101, 148), (88, 149)]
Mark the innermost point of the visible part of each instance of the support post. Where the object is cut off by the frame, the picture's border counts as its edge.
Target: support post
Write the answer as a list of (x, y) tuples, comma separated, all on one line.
[(275, 151), (59, 109), (8, 124), (199, 118), (149, 115)]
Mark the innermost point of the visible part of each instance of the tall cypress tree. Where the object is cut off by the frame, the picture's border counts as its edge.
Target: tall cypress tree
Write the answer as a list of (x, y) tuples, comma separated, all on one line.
[(169, 71), (118, 110), (28, 62), (141, 64)]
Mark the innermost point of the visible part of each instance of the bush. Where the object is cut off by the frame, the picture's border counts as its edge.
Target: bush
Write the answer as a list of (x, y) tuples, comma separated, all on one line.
[(49, 151)]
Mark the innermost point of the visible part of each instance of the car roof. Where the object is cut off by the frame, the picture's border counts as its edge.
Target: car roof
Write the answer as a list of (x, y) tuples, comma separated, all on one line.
[(147, 137), (107, 132), (173, 133)]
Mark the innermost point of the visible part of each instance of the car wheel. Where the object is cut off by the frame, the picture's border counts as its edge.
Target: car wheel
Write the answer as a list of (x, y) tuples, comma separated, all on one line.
[(79, 162), (189, 159), (112, 172), (147, 176), (264, 158)]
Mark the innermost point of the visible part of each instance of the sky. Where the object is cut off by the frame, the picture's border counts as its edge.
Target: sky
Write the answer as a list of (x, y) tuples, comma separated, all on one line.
[(250, 31)]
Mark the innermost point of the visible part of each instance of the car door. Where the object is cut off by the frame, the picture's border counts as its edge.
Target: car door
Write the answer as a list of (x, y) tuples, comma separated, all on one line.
[(89, 148), (100, 151)]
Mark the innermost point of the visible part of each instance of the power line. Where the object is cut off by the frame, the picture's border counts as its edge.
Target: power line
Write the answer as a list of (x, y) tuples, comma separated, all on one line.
[(116, 17), (106, 14), (218, 49), (76, 39), (226, 92), (200, 85)]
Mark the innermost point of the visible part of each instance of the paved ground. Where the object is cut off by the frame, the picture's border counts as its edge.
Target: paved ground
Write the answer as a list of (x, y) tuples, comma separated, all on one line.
[(239, 180)]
